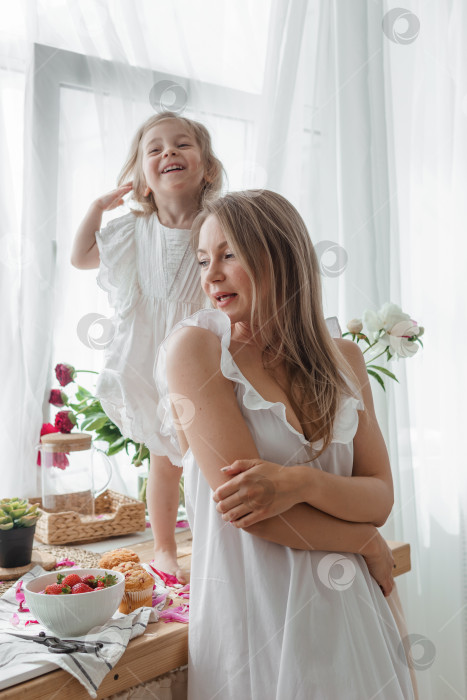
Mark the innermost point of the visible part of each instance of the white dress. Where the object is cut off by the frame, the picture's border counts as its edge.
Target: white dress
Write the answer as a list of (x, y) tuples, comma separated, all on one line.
[(152, 277), (266, 621)]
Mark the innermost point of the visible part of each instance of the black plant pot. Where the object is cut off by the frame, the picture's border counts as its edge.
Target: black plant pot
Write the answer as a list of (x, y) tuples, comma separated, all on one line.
[(16, 546)]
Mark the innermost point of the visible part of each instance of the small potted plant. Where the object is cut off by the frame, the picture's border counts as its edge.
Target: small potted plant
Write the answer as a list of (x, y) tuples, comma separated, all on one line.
[(17, 526)]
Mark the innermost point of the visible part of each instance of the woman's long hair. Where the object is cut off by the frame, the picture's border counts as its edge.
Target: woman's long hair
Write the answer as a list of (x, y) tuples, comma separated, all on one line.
[(133, 170), (270, 240)]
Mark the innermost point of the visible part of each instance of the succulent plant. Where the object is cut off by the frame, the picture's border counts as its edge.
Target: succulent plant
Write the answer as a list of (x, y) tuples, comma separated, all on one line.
[(17, 512)]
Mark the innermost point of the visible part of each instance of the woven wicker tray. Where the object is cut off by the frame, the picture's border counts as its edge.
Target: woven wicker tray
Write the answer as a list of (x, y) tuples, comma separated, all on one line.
[(115, 514)]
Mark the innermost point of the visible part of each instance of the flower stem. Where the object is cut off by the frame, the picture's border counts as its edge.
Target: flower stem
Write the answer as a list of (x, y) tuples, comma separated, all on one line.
[(89, 371), (376, 356)]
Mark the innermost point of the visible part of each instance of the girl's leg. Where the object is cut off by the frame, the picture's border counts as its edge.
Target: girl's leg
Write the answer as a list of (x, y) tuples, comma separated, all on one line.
[(162, 499)]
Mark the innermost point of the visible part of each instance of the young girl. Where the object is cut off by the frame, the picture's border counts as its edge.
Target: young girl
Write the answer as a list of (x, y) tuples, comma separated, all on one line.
[(273, 612), (148, 268)]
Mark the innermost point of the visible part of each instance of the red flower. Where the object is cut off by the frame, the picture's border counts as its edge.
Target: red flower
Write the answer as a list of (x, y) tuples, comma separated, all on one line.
[(48, 428), (45, 430), (65, 421), (58, 398), (60, 460), (65, 374)]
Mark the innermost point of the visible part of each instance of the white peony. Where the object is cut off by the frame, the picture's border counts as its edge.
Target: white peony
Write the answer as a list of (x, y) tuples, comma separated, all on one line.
[(384, 320), (399, 335)]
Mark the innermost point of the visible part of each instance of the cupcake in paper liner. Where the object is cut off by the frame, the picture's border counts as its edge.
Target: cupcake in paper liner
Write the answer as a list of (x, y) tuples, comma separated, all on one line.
[(138, 587)]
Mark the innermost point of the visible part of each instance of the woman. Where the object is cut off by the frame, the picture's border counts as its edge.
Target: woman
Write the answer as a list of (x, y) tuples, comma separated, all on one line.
[(259, 378)]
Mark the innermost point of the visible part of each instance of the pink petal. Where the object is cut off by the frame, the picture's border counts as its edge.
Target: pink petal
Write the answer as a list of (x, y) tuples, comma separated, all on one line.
[(168, 579), (159, 599), (19, 595), (185, 588), (148, 525), (14, 619), (31, 622), (179, 614), (184, 595), (65, 562), (182, 523)]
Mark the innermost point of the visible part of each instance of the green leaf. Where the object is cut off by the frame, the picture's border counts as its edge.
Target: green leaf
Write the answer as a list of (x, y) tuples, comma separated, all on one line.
[(113, 449), (99, 423), (377, 377), (82, 393), (384, 371)]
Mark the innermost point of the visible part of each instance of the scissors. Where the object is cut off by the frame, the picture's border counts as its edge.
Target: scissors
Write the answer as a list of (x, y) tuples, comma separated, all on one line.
[(61, 646)]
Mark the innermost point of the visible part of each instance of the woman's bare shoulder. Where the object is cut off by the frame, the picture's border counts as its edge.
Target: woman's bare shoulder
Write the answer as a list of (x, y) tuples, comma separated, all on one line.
[(192, 339)]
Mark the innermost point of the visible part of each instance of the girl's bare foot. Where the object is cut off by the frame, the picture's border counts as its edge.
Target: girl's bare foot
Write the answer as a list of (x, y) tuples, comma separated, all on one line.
[(167, 561)]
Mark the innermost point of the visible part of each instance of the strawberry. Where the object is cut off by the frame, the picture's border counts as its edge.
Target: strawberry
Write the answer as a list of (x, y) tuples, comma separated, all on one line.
[(81, 588), (107, 580), (89, 580), (71, 580), (53, 589)]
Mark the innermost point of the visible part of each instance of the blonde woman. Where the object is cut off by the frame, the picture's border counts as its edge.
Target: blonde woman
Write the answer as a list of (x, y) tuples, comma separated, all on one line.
[(258, 377)]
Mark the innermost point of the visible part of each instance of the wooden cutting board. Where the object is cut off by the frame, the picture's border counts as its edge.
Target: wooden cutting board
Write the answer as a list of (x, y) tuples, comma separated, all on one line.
[(41, 558)]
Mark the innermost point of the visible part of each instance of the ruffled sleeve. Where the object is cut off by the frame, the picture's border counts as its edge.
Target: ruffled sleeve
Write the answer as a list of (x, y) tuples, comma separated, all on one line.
[(117, 272)]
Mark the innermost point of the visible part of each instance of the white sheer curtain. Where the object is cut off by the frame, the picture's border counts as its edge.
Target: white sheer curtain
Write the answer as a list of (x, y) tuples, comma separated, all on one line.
[(364, 130), (369, 141), (87, 72)]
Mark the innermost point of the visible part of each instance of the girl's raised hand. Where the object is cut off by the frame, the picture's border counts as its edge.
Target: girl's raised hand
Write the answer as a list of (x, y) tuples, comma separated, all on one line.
[(114, 199), (256, 491)]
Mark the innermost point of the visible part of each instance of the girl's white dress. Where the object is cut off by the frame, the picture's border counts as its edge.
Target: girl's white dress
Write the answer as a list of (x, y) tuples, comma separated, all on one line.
[(266, 621), (152, 277)]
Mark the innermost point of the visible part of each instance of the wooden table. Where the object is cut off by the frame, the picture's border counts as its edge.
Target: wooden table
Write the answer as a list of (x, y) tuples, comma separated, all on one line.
[(162, 648)]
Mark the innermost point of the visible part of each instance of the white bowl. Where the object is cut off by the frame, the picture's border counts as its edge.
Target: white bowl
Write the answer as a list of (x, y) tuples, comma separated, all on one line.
[(73, 615)]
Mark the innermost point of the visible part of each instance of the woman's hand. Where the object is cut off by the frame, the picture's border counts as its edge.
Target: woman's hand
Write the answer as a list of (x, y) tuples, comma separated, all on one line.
[(257, 490), (380, 562), (113, 199)]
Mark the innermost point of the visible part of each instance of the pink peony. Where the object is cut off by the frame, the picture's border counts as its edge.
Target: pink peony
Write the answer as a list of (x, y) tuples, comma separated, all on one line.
[(65, 374)]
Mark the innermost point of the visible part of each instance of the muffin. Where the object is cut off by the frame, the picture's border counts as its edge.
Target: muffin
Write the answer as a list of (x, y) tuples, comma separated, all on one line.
[(110, 560), (138, 587)]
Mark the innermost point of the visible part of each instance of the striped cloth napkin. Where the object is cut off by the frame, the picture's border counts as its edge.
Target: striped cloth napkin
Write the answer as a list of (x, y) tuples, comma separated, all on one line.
[(89, 668)]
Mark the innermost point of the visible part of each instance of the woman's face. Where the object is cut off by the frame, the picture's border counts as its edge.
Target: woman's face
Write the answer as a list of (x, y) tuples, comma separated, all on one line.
[(223, 278)]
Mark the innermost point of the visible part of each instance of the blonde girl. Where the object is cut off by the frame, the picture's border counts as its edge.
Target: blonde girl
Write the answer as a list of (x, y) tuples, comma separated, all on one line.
[(148, 268)]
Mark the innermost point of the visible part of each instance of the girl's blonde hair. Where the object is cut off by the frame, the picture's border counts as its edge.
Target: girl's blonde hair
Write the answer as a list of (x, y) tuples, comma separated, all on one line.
[(270, 240), (132, 169)]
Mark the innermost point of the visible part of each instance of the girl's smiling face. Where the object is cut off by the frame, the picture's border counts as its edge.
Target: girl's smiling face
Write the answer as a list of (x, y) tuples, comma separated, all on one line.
[(223, 278), (171, 159)]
